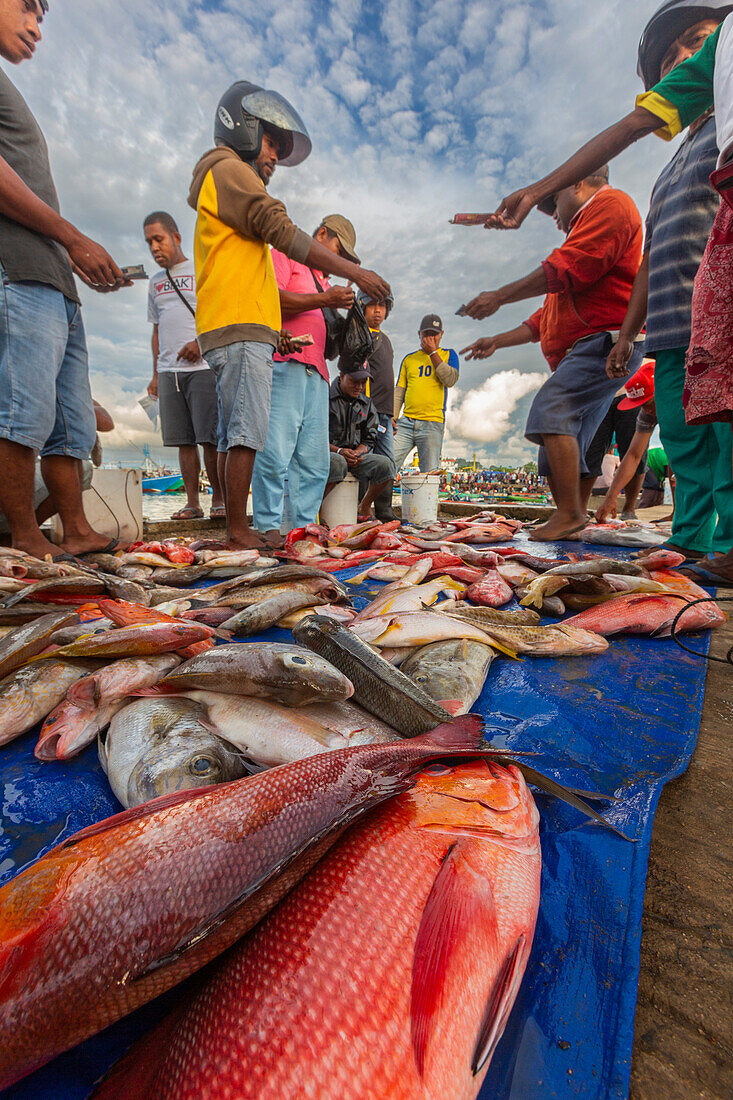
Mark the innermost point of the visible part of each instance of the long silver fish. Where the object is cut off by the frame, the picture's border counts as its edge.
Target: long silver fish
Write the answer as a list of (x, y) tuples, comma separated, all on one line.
[(159, 746), (379, 687), (453, 673), (281, 671), (267, 613)]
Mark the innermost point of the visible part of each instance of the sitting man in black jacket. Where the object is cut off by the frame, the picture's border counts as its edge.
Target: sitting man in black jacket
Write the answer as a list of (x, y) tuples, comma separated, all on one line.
[(353, 430)]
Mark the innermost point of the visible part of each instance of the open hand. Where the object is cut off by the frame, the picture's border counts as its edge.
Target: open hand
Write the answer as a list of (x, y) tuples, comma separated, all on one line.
[(481, 349)]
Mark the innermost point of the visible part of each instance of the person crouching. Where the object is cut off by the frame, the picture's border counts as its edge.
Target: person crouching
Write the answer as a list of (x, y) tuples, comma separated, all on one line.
[(353, 432)]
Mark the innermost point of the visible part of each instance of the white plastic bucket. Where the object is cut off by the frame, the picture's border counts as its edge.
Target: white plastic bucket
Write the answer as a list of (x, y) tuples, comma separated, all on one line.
[(419, 497), (342, 503), (113, 506)]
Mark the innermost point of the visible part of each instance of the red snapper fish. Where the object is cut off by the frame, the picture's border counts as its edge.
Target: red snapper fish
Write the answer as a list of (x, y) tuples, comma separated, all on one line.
[(390, 971), (491, 591), (173, 551), (637, 613), (128, 908)]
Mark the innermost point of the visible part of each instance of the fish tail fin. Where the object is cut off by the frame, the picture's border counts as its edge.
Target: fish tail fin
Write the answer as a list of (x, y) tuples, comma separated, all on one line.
[(462, 733)]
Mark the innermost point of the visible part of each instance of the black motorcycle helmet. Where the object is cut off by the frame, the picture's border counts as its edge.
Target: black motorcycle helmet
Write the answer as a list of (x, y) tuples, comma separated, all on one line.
[(246, 110), (669, 21), (364, 300)]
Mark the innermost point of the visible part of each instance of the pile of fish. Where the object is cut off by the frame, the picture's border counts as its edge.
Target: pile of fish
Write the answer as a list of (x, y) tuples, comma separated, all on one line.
[(319, 777)]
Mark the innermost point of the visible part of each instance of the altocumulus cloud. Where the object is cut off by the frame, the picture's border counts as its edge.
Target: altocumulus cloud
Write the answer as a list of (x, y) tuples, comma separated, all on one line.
[(417, 109)]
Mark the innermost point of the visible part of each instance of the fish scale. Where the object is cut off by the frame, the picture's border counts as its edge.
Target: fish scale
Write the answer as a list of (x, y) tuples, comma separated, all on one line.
[(94, 929), (324, 1000)]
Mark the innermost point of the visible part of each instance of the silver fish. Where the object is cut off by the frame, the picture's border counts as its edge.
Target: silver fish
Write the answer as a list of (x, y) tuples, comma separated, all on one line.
[(453, 673), (267, 613), (378, 687), (159, 746), (282, 671)]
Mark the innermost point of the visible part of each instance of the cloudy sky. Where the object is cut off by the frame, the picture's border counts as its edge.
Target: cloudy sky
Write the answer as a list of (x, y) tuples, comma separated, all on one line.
[(417, 109)]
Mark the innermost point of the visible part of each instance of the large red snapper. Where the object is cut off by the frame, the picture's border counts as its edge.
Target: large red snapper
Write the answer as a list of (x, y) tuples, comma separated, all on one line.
[(637, 613), (129, 907), (390, 971)]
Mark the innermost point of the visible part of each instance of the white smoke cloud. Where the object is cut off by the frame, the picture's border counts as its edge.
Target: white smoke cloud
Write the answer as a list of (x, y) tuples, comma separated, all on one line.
[(484, 415)]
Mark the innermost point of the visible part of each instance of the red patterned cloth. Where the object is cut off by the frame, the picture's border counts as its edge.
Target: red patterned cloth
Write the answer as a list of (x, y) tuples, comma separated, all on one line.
[(708, 393)]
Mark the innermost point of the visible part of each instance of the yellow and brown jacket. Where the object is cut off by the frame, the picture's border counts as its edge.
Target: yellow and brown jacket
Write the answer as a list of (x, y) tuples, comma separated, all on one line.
[(237, 295)]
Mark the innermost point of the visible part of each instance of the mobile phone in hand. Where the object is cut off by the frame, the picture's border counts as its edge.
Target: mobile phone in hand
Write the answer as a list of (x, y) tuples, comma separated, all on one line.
[(134, 271)]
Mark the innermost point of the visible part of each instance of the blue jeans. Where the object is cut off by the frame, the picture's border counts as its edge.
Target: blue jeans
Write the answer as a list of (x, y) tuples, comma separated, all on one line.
[(426, 435), (45, 399), (383, 446), (296, 446), (243, 385)]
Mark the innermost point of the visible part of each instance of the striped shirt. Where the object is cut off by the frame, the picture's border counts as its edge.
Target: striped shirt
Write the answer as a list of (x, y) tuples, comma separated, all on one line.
[(682, 211)]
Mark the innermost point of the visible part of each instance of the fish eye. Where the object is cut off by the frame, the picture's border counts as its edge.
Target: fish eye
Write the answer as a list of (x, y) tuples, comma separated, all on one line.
[(422, 679), (437, 769), (298, 661), (202, 765)]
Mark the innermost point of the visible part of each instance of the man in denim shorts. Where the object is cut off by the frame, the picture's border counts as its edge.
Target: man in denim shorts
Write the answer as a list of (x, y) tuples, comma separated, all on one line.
[(238, 318), (45, 401)]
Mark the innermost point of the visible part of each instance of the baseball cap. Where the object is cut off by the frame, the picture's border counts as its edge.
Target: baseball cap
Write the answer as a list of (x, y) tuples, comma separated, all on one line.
[(345, 232), (549, 205), (359, 373), (431, 323), (640, 387)]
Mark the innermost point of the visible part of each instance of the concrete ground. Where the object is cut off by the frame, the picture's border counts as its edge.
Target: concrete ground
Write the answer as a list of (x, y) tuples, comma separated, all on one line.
[(683, 1045)]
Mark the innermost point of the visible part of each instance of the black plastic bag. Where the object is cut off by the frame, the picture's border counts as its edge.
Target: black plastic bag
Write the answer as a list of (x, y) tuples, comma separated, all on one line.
[(357, 343)]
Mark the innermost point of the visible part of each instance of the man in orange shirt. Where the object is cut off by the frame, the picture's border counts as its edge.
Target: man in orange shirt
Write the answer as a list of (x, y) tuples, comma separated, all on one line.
[(587, 283)]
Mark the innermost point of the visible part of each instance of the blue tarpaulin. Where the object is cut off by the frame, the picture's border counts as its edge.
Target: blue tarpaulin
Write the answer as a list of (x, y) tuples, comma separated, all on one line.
[(624, 722)]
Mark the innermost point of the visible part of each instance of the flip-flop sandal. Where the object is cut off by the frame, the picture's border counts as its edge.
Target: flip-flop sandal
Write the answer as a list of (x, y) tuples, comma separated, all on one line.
[(112, 545), (218, 513), (189, 513), (701, 572)]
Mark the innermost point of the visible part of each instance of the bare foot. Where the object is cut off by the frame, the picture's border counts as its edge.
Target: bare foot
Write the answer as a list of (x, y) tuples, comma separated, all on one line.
[(274, 539), (247, 540), (92, 543), (559, 527), (38, 547)]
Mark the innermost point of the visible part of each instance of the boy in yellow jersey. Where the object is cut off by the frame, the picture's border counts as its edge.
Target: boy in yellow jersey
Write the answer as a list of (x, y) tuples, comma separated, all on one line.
[(422, 386), (238, 319)]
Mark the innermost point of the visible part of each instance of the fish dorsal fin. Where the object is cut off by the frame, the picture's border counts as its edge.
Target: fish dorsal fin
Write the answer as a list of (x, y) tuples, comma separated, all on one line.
[(457, 898), (137, 813), (500, 1001)]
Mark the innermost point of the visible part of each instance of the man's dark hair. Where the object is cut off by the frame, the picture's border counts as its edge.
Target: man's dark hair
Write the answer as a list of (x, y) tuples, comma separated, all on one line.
[(159, 217), (330, 232)]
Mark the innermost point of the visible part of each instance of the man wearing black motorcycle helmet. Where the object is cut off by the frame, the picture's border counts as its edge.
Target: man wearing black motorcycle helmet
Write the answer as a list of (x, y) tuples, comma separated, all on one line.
[(238, 315)]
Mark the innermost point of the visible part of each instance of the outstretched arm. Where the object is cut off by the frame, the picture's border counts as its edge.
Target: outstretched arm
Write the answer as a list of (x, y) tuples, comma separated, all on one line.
[(487, 345), (595, 153), (486, 304)]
